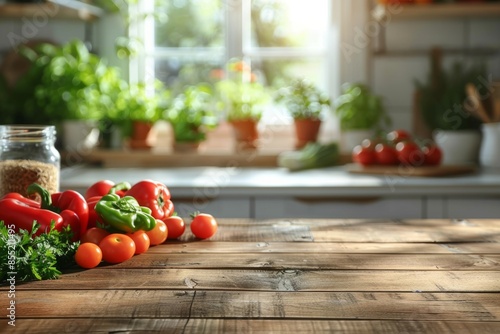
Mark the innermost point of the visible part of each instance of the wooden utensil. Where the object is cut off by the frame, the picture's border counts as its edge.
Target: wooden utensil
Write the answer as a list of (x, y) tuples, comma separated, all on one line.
[(477, 109), (496, 110)]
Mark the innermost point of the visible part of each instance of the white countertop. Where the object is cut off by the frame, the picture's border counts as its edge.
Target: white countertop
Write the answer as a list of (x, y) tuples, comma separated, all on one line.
[(328, 182)]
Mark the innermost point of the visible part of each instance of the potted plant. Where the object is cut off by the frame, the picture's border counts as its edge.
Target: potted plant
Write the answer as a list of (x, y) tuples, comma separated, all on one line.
[(360, 113), (305, 102), (191, 115), (137, 110), (242, 98), (441, 101), (64, 85)]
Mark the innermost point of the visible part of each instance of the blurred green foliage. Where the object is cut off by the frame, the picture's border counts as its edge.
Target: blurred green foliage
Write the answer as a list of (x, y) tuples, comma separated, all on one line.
[(240, 95), (303, 99), (358, 108), (443, 96), (191, 113)]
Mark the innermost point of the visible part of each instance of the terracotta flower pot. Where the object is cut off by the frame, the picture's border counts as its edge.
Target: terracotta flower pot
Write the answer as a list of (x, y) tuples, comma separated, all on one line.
[(246, 134), (306, 131), (143, 136)]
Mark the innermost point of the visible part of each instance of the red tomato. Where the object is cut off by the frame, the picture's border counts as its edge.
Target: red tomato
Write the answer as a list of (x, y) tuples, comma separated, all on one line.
[(94, 235), (409, 153), (141, 241), (117, 248), (158, 234), (175, 226), (203, 225), (396, 136), (364, 155), (386, 154), (370, 143), (432, 155), (88, 255)]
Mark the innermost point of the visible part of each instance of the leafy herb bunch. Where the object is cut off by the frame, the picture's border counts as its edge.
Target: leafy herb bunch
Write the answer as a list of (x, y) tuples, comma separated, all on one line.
[(31, 257), (303, 99), (358, 108), (191, 113), (241, 95)]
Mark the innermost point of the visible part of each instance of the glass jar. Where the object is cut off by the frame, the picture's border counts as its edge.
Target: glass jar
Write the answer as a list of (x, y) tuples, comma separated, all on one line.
[(28, 155)]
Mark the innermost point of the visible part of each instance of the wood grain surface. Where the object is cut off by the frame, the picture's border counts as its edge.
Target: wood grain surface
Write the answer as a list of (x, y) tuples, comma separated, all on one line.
[(282, 275)]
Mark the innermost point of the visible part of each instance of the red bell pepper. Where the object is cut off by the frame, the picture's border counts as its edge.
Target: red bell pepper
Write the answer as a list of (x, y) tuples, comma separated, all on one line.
[(105, 187), (154, 195), (94, 218), (68, 200), (22, 214), (23, 199)]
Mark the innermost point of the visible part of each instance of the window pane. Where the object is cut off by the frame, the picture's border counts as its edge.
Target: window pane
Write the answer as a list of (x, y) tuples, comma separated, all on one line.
[(177, 72), (279, 72), (189, 23), (289, 23)]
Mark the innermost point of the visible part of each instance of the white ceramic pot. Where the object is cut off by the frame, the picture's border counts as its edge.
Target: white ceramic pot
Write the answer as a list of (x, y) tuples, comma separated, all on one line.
[(80, 135), (350, 138), (459, 147), (489, 154)]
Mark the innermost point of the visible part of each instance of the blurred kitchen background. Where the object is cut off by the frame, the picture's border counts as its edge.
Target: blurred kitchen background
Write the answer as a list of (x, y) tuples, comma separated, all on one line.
[(385, 45)]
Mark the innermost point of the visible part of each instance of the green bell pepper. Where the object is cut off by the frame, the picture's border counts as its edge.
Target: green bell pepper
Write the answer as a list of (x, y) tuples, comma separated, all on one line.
[(124, 214)]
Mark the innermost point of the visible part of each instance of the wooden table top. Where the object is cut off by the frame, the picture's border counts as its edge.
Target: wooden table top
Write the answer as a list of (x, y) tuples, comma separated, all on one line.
[(300, 276)]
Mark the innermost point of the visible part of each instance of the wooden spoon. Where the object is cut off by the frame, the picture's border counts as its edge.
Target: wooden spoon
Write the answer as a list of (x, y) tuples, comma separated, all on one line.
[(478, 108), (496, 110)]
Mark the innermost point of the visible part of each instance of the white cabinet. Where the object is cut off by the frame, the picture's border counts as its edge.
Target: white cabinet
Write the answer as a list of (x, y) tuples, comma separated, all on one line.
[(331, 207), (462, 207)]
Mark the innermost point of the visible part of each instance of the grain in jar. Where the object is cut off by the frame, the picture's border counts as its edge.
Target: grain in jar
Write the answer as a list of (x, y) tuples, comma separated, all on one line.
[(28, 155)]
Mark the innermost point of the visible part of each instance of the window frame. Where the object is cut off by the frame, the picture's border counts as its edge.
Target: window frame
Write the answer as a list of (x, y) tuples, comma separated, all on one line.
[(343, 15)]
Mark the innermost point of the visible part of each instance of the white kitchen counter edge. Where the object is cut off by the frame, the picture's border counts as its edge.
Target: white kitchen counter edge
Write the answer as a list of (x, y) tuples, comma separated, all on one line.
[(326, 182)]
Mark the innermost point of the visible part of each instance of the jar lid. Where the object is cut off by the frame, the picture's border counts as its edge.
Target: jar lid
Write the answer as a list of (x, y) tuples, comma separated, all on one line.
[(27, 133)]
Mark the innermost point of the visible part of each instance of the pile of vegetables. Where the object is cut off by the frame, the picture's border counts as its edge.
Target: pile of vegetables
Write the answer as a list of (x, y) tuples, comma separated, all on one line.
[(397, 147), (110, 222)]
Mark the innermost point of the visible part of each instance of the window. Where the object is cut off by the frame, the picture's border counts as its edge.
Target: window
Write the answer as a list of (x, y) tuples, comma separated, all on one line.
[(187, 40)]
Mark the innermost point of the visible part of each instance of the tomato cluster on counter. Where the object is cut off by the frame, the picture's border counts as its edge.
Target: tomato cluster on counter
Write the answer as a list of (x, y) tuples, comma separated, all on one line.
[(395, 148), (120, 238), (112, 222)]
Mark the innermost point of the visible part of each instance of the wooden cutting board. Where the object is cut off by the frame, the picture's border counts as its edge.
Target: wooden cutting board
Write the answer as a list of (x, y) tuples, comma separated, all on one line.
[(426, 171)]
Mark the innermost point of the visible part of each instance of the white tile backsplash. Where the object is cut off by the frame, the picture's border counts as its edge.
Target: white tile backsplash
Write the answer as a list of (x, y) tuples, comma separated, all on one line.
[(485, 32), (401, 118), (393, 78)]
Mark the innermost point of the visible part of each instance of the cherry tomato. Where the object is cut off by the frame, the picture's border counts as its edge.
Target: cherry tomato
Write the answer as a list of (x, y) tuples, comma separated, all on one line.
[(409, 153), (364, 155), (94, 235), (141, 241), (386, 154), (370, 143), (175, 226), (203, 225), (396, 136), (432, 155), (88, 255), (117, 248), (158, 234)]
